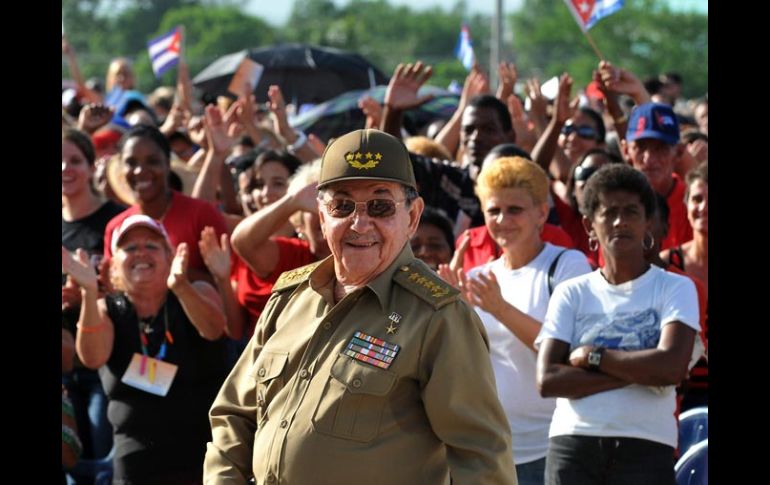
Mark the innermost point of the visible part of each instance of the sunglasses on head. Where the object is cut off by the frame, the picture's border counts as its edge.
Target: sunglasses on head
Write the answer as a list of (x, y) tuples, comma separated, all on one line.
[(583, 131), (583, 173), (341, 208)]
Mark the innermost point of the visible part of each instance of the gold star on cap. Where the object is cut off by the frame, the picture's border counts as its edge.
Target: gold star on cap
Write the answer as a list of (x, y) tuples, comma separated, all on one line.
[(378, 156), (369, 155), (349, 157), (358, 155)]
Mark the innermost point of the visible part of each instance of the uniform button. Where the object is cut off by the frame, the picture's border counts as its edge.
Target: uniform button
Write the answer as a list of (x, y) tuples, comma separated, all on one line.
[(404, 268), (284, 423), (303, 373), (270, 478), (260, 402), (356, 383), (262, 372), (327, 325)]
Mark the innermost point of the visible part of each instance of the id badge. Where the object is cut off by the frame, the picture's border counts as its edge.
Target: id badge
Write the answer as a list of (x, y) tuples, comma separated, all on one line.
[(149, 375)]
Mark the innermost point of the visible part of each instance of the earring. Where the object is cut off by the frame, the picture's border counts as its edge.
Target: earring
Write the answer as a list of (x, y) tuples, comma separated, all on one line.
[(593, 244), (646, 246)]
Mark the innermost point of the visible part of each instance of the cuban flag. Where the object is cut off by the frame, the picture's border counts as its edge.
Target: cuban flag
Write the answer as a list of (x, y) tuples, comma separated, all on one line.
[(464, 49), (588, 12), (164, 51)]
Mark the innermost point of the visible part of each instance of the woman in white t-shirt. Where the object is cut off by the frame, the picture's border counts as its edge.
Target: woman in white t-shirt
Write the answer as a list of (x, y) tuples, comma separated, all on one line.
[(511, 296), (614, 344)]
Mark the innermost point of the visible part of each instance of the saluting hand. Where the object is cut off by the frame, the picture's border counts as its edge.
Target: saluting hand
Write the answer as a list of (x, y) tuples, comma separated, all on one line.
[(402, 90)]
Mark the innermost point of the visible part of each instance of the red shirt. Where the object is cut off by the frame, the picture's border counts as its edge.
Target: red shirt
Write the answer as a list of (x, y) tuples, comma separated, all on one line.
[(482, 247), (253, 292), (184, 221), (679, 229)]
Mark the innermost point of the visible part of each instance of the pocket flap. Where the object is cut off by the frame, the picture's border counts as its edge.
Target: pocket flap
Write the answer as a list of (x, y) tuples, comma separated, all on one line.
[(269, 365), (360, 378)]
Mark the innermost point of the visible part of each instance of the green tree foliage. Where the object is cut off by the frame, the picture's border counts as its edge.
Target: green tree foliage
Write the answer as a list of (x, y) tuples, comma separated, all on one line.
[(387, 34), (643, 36)]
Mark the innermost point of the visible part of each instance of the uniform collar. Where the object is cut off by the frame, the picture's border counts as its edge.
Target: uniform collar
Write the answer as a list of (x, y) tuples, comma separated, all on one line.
[(322, 278), (382, 285)]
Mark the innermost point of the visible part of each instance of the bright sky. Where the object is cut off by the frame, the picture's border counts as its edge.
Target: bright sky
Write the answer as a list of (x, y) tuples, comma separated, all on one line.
[(276, 12)]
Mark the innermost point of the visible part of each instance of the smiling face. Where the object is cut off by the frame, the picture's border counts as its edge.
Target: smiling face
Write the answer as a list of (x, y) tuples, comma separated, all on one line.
[(146, 168), (620, 224), (76, 173), (271, 180), (573, 144), (364, 246), (142, 259), (698, 206), (513, 218)]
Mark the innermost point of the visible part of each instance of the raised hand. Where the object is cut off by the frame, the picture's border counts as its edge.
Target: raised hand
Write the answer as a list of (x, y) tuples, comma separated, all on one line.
[(178, 274), (620, 81), (93, 116), (216, 131), (372, 110), (215, 255), (563, 108), (401, 94), (316, 144), (507, 76), (79, 268), (453, 272)]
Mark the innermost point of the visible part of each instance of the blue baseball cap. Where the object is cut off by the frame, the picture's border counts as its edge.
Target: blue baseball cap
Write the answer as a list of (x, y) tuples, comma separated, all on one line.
[(653, 120)]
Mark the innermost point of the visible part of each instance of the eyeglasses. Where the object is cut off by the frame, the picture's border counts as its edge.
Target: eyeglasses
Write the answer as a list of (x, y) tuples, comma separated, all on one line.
[(583, 131), (380, 208), (583, 173)]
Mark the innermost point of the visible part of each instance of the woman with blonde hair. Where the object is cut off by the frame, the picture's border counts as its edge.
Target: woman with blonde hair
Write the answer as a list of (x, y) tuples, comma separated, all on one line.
[(511, 297)]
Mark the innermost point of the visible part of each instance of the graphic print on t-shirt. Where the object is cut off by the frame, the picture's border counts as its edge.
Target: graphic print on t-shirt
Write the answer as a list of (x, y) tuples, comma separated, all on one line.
[(622, 330)]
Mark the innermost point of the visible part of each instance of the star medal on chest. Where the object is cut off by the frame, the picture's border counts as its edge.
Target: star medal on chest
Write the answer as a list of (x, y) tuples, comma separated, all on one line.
[(394, 318)]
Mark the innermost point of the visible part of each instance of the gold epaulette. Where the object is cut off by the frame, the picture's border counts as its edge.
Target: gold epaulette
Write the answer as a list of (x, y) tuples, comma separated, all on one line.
[(290, 279), (425, 283)]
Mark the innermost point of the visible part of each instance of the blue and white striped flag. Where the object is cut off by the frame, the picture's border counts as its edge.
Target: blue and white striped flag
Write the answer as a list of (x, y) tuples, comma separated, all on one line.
[(464, 49), (164, 51)]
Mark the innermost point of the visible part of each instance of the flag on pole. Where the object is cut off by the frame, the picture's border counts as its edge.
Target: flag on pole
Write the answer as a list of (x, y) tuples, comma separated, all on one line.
[(464, 49), (588, 12), (164, 51)]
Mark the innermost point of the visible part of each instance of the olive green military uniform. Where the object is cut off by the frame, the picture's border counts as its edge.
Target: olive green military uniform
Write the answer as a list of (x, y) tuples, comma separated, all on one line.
[(302, 406)]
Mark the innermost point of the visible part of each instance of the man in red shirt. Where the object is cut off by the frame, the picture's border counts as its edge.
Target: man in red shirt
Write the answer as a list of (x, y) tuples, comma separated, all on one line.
[(651, 146)]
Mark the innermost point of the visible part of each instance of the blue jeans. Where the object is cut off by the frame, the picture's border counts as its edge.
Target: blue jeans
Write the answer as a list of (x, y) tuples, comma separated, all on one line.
[(600, 460), (90, 404), (532, 473)]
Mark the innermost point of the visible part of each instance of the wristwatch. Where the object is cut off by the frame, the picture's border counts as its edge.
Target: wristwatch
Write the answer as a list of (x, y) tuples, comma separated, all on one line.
[(298, 143), (595, 358)]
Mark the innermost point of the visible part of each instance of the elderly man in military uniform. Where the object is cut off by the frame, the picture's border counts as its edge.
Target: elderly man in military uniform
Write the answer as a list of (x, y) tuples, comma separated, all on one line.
[(364, 367)]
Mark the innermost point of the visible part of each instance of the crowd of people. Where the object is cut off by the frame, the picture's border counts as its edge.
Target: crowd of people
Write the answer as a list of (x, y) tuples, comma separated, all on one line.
[(518, 293)]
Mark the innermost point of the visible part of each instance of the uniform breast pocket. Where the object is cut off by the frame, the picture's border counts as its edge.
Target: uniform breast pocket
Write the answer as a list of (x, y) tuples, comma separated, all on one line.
[(352, 401), (268, 372)]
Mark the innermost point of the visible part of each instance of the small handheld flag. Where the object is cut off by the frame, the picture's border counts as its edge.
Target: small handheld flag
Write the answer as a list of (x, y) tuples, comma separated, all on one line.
[(588, 12), (464, 49), (165, 51)]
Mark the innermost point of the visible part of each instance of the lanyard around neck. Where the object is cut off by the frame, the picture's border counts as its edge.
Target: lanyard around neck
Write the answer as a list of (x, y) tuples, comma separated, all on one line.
[(167, 337)]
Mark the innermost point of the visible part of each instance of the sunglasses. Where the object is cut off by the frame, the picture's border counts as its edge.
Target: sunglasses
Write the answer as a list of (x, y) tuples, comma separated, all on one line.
[(379, 208), (583, 131), (583, 173)]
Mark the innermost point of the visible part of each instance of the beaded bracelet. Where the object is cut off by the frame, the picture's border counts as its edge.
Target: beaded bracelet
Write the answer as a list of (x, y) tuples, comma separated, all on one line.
[(91, 328)]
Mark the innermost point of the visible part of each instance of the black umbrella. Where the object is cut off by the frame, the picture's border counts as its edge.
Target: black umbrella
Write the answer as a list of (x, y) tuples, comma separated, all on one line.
[(342, 115), (305, 73)]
